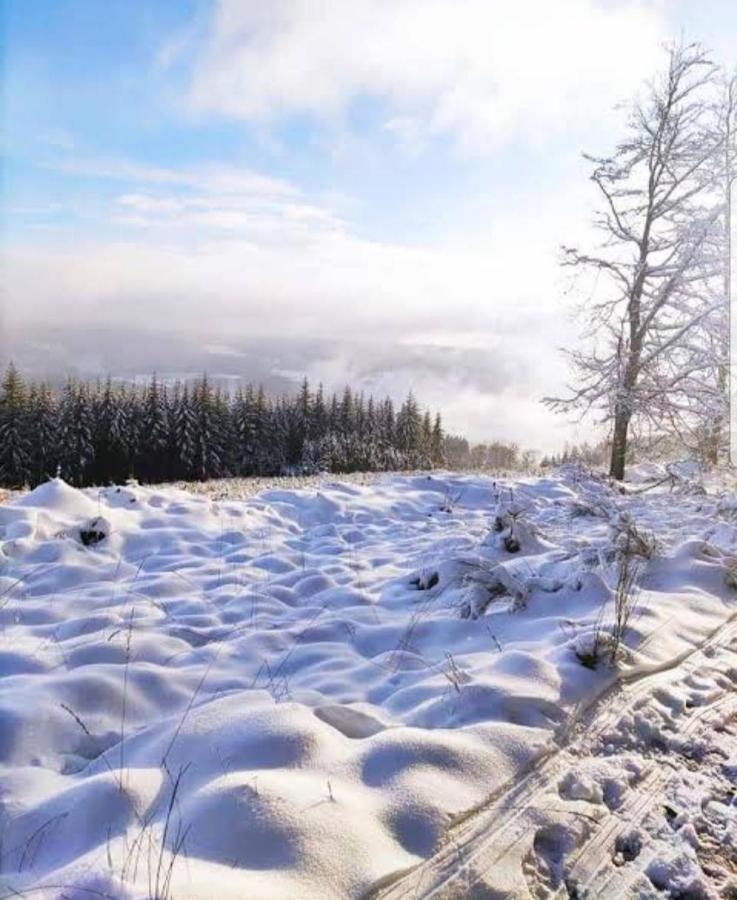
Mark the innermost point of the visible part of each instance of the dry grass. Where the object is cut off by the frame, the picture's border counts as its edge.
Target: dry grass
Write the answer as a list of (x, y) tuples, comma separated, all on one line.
[(634, 547)]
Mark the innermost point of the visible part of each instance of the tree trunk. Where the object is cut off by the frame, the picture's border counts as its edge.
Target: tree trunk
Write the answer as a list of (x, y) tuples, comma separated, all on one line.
[(619, 441)]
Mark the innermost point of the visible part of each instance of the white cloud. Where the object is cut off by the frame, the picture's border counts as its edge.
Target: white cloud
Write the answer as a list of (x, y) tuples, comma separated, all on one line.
[(198, 200), (208, 250), (146, 204), (276, 280), (476, 70), (179, 246), (401, 303), (243, 265), (218, 178), (249, 216)]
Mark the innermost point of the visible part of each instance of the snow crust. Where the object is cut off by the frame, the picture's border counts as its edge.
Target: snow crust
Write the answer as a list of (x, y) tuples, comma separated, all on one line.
[(296, 694)]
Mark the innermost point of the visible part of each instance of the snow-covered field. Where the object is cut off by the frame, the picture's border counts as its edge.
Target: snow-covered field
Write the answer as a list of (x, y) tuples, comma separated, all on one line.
[(306, 693)]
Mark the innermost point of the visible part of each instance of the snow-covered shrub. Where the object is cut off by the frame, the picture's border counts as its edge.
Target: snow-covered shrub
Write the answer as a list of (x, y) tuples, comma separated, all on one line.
[(605, 641), (511, 532), (451, 498), (730, 574), (626, 591), (630, 540), (94, 531), (481, 589), (592, 646), (425, 581)]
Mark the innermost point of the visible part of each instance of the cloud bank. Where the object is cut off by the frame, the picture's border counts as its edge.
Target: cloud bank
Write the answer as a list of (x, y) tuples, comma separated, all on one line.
[(472, 70), (469, 312)]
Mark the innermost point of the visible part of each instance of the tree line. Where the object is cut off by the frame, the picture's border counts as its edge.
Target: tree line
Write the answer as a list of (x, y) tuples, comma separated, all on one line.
[(498, 455), (653, 363), (591, 455), (104, 432)]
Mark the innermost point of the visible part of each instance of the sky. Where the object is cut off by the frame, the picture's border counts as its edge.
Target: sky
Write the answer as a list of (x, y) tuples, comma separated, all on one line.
[(372, 191)]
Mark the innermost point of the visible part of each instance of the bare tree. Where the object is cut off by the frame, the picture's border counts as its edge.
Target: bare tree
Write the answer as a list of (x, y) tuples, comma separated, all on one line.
[(718, 336), (693, 382), (656, 218)]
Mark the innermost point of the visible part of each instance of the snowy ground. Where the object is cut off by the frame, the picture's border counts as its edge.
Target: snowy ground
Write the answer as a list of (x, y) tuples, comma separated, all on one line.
[(360, 689)]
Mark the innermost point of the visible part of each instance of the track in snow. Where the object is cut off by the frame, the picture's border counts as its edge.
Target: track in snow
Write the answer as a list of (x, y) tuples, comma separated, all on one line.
[(558, 833)]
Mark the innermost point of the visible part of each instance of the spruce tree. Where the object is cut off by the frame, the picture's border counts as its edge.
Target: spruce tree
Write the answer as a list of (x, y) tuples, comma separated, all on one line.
[(16, 456), (260, 433), (409, 433), (75, 439), (224, 436), (319, 420), (347, 413), (172, 402), (153, 455), (426, 441), (206, 447), (42, 423), (103, 412), (112, 431), (185, 441), (437, 443), (98, 434), (243, 454)]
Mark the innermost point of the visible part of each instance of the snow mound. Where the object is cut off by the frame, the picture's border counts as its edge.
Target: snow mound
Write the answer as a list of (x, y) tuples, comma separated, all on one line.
[(295, 695)]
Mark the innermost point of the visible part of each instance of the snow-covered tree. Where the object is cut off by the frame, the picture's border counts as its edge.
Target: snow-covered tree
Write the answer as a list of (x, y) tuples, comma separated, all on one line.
[(409, 433), (210, 441), (99, 433), (656, 218), (16, 456), (347, 421), (185, 425), (42, 428), (692, 400), (75, 433), (437, 454), (152, 465), (243, 430), (711, 342), (319, 418)]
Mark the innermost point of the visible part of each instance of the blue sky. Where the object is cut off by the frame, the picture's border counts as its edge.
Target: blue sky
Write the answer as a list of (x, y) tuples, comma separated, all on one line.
[(91, 82), (391, 173)]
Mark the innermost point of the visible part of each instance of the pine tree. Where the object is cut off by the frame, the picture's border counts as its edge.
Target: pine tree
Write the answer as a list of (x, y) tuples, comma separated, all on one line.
[(111, 432), (172, 454), (426, 441), (209, 450), (359, 416), (243, 432), (319, 421), (437, 442), (409, 433), (98, 434), (347, 414), (125, 433), (371, 440), (304, 405), (386, 438), (277, 433), (75, 439), (103, 413), (260, 432), (153, 456), (42, 429), (185, 428), (224, 435), (16, 458)]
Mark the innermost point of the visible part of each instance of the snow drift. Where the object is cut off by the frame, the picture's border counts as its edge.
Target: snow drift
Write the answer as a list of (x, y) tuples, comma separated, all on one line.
[(294, 696)]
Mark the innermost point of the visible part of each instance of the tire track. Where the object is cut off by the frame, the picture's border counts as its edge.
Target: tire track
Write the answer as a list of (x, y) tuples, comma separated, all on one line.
[(483, 854)]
